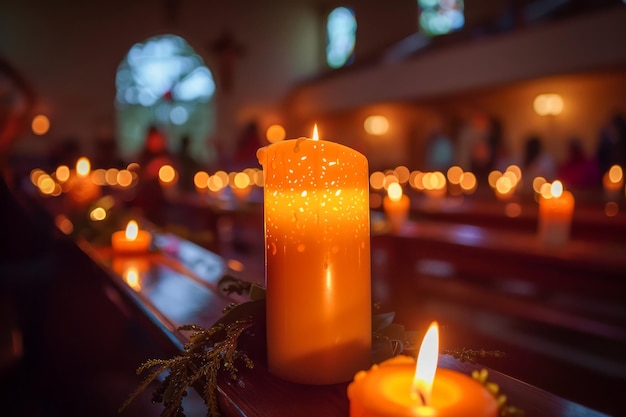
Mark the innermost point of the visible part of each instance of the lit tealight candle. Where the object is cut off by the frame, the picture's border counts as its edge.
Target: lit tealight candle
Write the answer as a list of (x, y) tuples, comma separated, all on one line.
[(399, 388), (556, 208), (317, 241), (131, 240), (81, 190), (396, 207)]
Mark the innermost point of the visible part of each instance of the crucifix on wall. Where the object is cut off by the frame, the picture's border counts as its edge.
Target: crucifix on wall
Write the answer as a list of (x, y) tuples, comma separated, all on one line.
[(227, 50)]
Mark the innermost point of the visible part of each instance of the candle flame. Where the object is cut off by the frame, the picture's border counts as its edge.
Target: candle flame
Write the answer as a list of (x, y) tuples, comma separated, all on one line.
[(315, 134), (132, 230), (556, 189), (83, 166), (426, 365), (616, 174), (394, 191), (131, 276)]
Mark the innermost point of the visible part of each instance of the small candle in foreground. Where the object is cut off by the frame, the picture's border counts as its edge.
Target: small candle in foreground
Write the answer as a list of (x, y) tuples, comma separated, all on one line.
[(397, 388), (131, 240), (396, 207), (317, 260), (556, 209)]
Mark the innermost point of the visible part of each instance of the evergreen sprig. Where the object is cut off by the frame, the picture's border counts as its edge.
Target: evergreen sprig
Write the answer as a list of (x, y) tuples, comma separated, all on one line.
[(208, 352), (472, 355)]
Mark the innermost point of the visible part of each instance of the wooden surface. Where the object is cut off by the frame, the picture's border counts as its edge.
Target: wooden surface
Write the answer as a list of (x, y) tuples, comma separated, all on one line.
[(179, 287)]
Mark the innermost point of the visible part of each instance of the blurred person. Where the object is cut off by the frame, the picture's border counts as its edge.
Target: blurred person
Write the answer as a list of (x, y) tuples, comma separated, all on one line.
[(17, 100), (536, 163), (579, 170), (107, 155), (248, 142), (150, 197), (187, 165), (439, 152), (611, 148)]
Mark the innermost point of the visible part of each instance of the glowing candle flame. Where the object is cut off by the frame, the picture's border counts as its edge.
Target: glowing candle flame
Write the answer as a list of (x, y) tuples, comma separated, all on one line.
[(426, 365), (132, 230), (83, 166), (131, 276), (615, 174), (394, 191), (315, 135), (556, 189)]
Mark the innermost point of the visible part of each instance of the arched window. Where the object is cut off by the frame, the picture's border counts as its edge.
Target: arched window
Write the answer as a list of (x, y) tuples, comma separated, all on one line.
[(438, 17), (341, 37), (163, 82)]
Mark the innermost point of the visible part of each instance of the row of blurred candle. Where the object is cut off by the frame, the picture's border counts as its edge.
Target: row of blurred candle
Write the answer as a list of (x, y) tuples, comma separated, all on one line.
[(433, 184)]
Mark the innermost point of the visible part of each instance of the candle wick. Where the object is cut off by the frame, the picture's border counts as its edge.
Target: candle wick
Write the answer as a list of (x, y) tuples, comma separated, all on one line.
[(422, 397), (418, 394)]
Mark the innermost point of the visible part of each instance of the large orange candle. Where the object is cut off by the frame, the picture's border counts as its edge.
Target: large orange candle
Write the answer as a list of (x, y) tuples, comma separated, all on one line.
[(317, 260), (397, 388), (396, 207), (131, 240), (556, 208)]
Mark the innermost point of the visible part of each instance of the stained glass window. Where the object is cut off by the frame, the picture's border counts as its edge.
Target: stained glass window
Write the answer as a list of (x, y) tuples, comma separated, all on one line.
[(341, 37), (163, 82), (438, 17)]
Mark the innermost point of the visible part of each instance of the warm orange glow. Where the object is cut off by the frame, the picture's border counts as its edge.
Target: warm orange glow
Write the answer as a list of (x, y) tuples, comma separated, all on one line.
[(503, 185), (611, 209), (546, 190), (376, 125), (62, 173), (515, 170), (548, 104), (468, 182), (131, 276), (110, 177), (133, 166), (454, 174), (616, 174), (377, 180), (241, 180), (538, 183), (40, 125), (389, 179), (402, 173), (235, 265), (132, 230), (124, 178), (426, 365), (99, 176), (434, 180), (556, 189), (275, 133), (201, 179), (513, 210), (258, 178), (46, 184), (35, 174), (394, 192), (64, 224), (223, 176), (315, 133), (215, 183), (167, 174), (418, 180), (493, 178), (83, 166), (98, 214)]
